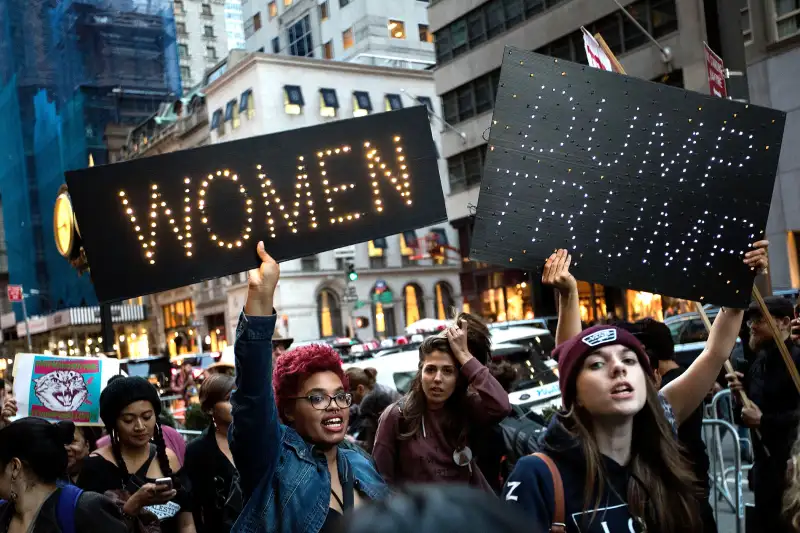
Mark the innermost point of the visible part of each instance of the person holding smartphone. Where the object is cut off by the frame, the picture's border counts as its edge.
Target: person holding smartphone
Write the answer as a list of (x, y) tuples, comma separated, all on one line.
[(137, 466)]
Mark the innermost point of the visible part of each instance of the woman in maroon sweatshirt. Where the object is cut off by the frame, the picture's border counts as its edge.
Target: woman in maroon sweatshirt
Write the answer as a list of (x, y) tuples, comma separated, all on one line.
[(424, 438)]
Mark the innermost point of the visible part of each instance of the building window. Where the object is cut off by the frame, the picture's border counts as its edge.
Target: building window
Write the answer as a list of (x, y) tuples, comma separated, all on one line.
[(309, 264), (328, 103), (247, 104), (397, 29), (186, 74), (216, 121), (276, 45), (393, 102), (330, 314), (206, 10), (362, 105), (347, 38), (747, 31), (425, 35), (233, 110), (211, 53), (183, 51), (300, 38), (475, 97), (179, 9), (408, 242), (375, 250), (414, 303), (327, 50), (272, 7), (323, 11), (343, 3), (180, 28), (208, 31), (383, 312), (287, 3), (444, 300), (465, 169), (427, 102), (293, 99), (787, 18)]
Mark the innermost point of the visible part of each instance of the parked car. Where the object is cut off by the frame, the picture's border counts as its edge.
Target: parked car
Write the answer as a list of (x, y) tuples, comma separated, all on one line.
[(545, 322), (690, 335)]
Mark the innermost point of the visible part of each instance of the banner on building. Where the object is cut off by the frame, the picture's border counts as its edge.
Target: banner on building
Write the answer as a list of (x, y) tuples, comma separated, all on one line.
[(716, 73), (61, 388), (650, 187), (171, 220)]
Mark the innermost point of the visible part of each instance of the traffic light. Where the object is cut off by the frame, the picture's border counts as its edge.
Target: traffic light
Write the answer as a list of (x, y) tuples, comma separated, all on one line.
[(352, 275), (362, 322)]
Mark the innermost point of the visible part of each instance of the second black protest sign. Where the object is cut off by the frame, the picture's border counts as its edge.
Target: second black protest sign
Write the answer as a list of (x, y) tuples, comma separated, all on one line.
[(161, 222), (650, 187)]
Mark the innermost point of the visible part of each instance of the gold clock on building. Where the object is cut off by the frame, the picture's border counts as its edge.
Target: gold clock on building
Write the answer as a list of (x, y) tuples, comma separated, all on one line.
[(64, 225)]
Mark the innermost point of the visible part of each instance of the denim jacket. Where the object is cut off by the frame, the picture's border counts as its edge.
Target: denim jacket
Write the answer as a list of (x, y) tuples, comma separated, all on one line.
[(285, 482)]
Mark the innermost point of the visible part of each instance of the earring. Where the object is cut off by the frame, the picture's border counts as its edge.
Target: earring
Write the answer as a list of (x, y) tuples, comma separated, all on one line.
[(13, 497)]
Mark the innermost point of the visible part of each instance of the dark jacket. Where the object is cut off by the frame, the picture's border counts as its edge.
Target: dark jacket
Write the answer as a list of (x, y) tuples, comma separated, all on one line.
[(285, 481), (770, 387), (210, 474), (94, 513), (530, 486)]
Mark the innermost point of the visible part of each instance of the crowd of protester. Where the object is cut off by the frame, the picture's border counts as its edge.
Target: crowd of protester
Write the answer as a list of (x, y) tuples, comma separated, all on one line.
[(297, 444)]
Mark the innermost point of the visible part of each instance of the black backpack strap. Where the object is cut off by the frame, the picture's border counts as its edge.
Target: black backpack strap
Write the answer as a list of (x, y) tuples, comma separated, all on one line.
[(142, 472)]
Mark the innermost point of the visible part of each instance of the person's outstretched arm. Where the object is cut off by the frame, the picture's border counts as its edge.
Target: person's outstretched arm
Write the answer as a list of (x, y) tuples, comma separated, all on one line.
[(556, 273), (687, 392), (256, 432)]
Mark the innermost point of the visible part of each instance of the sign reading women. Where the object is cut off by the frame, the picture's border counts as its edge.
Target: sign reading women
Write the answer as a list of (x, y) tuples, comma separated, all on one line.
[(162, 222), (650, 187)]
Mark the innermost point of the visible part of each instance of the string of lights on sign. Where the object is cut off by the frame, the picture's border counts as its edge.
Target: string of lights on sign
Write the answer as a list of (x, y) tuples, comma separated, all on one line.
[(277, 213), (658, 160)]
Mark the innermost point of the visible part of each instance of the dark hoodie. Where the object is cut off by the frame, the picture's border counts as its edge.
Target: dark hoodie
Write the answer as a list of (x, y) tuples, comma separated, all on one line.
[(530, 486)]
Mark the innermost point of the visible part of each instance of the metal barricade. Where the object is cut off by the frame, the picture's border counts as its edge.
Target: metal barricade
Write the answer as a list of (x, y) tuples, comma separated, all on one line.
[(720, 482), (189, 434)]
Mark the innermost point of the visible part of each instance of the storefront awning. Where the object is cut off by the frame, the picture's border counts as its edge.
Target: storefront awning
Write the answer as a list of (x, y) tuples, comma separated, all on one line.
[(81, 316)]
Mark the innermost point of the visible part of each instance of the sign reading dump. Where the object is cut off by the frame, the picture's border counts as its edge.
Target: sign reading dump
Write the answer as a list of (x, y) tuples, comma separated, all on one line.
[(161, 222), (650, 187)]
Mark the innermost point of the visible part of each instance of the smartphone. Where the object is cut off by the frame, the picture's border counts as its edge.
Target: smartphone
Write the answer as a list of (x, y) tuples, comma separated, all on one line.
[(164, 483)]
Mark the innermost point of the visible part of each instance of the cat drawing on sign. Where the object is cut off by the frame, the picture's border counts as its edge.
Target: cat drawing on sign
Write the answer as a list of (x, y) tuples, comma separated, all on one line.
[(61, 390)]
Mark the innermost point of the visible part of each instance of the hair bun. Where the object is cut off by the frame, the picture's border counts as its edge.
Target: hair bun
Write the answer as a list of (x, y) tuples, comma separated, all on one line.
[(64, 432)]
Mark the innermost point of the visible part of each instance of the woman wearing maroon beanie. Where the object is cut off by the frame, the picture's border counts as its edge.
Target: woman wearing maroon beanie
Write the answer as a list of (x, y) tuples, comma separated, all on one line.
[(611, 461)]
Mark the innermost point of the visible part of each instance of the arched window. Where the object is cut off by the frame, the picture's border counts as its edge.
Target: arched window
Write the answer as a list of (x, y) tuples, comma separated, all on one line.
[(383, 311), (329, 314), (444, 300), (414, 303)]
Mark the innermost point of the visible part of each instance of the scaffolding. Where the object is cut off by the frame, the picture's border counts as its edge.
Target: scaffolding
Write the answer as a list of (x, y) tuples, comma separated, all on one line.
[(68, 70)]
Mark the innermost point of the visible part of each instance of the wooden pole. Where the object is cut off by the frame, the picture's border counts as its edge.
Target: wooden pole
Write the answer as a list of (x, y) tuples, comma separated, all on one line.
[(776, 335), (728, 366), (614, 61)]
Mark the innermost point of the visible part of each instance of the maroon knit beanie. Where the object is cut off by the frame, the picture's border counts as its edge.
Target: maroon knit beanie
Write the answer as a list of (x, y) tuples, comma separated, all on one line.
[(570, 355)]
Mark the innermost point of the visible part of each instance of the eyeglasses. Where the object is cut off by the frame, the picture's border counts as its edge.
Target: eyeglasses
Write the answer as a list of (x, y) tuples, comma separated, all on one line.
[(321, 402), (755, 321)]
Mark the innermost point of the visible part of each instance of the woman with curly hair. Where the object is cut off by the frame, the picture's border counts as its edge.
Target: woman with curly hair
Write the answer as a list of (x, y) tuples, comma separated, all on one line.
[(137, 457), (285, 438), (425, 437)]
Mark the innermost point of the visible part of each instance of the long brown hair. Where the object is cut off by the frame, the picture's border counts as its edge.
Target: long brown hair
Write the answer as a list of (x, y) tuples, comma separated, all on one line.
[(791, 496), (414, 404), (662, 490)]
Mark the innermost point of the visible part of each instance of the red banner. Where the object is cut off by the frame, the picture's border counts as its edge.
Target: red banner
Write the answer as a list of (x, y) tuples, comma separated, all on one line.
[(716, 74)]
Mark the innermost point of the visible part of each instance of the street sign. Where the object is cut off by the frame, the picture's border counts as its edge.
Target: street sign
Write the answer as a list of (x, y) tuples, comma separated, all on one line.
[(345, 252), (716, 73), (14, 293), (350, 294), (359, 304), (383, 297)]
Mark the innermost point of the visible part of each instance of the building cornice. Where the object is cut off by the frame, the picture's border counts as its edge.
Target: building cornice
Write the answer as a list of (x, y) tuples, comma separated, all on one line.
[(325, 65)]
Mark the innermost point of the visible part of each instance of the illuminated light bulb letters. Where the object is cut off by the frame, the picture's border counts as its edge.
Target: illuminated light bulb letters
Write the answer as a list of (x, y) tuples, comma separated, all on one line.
[(275, 209), (181, 224), (330, 188), (378, 169), (204, 192)]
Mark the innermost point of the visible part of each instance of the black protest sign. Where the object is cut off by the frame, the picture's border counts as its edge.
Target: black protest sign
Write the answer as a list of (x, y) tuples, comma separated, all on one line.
[(162, 222), (650, 187)]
